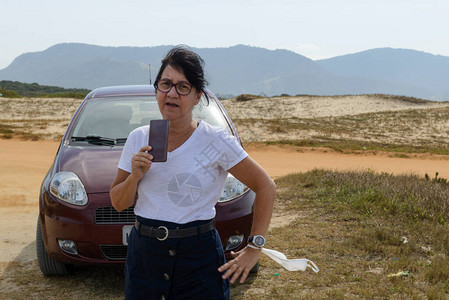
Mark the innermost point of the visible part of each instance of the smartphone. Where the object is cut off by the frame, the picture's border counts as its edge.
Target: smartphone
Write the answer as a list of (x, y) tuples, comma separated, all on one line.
[(158, 139)]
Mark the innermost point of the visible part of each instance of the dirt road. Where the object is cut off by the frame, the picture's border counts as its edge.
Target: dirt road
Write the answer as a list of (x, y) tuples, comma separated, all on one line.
[(23, 165), (282, 160)]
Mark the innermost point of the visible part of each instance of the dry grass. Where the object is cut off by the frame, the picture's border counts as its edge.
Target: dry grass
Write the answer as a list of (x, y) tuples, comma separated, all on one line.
[(370, 122), (345, 123), (36, 118), (373, 236), (25, 281)]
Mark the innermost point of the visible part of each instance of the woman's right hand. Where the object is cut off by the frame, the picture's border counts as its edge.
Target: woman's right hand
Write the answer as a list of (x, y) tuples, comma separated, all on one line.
[(141, 162)]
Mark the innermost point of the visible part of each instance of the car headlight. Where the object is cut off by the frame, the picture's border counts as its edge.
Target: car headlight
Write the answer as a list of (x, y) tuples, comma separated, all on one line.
[(66, 186), (232, 189)]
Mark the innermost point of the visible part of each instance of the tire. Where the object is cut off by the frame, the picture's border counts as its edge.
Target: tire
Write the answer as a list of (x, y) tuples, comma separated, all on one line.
[(48, 266)]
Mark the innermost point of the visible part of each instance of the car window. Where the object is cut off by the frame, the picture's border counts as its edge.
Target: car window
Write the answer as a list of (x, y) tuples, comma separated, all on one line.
[(109, 120), (210, 113)]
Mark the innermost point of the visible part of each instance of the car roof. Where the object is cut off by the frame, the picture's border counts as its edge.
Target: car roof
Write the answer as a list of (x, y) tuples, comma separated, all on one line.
[(128, 90), (122, 90)]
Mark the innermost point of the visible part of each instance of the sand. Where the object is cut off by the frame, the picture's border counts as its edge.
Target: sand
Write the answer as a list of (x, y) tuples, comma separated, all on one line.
[(365, 119), (23, 165)]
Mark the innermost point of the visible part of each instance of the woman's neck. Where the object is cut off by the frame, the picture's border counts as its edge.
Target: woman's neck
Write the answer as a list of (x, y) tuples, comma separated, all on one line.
[(180, 128), (179, 133)]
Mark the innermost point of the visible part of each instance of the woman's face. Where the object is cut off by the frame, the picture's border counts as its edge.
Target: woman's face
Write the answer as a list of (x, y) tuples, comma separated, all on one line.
[(172, 105)]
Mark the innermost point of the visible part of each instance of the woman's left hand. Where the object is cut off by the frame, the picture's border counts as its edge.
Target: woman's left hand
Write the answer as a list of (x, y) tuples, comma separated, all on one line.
[(242, 263)]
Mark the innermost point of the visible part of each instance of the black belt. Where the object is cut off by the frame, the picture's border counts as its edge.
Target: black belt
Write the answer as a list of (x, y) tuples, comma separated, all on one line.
[(162, 233)]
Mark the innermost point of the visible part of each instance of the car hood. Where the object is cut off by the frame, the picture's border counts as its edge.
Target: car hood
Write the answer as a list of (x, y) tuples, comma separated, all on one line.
[(96, 166)]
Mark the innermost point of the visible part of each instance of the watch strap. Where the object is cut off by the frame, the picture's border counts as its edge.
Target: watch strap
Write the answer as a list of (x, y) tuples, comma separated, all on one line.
[(251, 241), (254, 247)]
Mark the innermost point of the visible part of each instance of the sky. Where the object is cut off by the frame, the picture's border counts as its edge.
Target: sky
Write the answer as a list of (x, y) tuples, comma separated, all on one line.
[(316, 29)]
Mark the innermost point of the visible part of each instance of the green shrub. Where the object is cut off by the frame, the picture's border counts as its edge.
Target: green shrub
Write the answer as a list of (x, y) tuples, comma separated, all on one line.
[(9, 94), (246, 97)]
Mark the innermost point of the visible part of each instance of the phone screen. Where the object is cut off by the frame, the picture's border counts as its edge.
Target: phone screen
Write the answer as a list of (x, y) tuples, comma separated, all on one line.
[(158, 139)]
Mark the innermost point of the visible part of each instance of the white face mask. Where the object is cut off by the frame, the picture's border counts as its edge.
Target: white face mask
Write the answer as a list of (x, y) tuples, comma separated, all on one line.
[(299, 264)]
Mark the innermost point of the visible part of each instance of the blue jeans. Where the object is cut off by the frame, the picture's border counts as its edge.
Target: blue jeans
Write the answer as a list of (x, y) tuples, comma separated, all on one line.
[(184, 268)]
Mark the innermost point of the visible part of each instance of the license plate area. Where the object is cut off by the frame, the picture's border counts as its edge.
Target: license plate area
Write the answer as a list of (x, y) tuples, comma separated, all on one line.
[(126, 230)]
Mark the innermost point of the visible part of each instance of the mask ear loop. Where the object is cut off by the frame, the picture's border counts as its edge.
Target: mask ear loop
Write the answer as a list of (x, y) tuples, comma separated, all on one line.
[(312, 266)]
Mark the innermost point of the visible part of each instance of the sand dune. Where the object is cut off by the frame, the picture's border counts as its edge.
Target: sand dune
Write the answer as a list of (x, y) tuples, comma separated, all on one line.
[(371, 118)]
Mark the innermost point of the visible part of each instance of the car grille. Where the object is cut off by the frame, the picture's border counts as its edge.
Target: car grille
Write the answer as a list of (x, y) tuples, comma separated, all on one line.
[(114, 252), (108, 215)]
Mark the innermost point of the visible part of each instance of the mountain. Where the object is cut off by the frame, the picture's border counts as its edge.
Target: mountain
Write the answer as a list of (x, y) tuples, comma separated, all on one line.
[(400, 67), (241, 69), (83, 66), (234, 70)]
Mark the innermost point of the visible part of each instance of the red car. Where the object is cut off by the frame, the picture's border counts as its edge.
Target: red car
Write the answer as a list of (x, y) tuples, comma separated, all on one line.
[(77, 223)]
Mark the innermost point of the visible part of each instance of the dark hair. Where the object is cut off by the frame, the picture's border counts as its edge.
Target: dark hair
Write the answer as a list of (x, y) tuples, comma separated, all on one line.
[(191, 64)]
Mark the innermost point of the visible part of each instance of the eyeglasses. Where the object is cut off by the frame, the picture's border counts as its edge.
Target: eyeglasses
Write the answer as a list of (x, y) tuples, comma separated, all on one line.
[(182, 88)]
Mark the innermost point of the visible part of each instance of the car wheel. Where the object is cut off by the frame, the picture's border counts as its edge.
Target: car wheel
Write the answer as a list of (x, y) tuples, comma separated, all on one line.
[(255, 269), (48, 266)]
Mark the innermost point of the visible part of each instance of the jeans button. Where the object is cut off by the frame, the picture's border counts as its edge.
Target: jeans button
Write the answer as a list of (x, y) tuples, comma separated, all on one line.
[(166, 276), (172, 252)]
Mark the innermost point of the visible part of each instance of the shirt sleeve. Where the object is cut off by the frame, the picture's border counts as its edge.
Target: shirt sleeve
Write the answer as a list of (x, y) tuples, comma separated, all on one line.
[(232, 151), (127, 153)]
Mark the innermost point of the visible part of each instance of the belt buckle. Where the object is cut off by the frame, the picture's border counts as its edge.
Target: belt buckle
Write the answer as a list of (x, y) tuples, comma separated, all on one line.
[(166, 233)]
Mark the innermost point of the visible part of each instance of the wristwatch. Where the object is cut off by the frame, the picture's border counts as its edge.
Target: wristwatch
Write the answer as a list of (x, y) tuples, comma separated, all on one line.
[(257, 241)]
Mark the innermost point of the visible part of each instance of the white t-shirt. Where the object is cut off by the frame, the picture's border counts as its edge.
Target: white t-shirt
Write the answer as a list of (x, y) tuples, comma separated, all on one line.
[(187, 186)]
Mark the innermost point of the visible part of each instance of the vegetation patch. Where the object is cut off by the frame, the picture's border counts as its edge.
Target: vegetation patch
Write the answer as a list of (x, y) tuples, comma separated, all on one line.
[(373, 236), (423, 130), (247, 97), (36, 118), (15, 89), (348, 146)]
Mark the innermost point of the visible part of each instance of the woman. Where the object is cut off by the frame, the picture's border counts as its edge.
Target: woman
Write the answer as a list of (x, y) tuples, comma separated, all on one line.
[(162, 264)]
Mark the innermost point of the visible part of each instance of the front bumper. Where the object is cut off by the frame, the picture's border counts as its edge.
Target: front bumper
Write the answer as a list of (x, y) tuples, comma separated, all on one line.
[(96, 228)]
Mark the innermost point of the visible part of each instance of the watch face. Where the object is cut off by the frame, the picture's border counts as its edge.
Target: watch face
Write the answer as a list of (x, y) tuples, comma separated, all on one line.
[(259, 241)]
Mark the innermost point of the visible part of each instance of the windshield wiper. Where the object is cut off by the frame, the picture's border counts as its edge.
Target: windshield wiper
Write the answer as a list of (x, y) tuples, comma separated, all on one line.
[(120, 140), (96, 140)]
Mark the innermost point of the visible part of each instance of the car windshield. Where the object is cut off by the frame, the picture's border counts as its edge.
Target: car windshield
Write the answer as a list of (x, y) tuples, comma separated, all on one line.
[(109, 120)]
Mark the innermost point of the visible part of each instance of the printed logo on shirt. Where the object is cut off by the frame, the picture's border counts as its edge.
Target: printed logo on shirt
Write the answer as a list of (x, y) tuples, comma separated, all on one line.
[(184, 189), (209, 154), (223, 154)]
